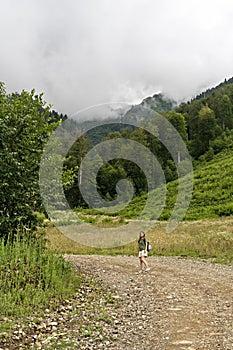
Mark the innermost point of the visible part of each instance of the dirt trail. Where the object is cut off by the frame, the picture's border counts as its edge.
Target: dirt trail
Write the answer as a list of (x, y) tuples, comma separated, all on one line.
[(178, 304)]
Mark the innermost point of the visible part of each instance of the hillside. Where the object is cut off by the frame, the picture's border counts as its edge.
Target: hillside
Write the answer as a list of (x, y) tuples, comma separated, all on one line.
[(212, 195), (209, 91), (213, 187), (116, 119), (145, 110)]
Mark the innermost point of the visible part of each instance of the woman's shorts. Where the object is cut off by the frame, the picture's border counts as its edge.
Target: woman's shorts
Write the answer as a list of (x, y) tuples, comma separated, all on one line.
[(142, 253)]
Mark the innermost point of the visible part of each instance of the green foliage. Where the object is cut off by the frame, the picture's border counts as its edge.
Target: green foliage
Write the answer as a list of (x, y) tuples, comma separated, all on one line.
[(179, 122), (24, 129), (70, 171), (213, 189), (212, 194), (206, 129), (113, 171), (32, 278), (208, 118), (69, 176)]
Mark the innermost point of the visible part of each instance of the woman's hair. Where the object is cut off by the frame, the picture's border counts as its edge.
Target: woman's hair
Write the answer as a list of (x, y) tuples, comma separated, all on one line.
[(142, 233)]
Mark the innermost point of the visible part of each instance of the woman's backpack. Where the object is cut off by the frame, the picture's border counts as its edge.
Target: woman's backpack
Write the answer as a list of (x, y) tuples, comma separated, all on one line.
[(148, 246)]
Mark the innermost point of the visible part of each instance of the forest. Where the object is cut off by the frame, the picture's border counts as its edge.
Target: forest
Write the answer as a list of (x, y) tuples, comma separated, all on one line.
[(205, 124)]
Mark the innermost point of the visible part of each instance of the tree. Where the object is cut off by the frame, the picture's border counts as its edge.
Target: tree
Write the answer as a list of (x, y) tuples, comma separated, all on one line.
[(192, 118), (23, 133), (206, 131), (72, 163), (178, 121), (224, 112), (108, 176)]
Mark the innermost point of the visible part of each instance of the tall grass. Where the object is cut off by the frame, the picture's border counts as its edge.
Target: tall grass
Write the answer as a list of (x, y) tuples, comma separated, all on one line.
[(208, 238), (32, 278)]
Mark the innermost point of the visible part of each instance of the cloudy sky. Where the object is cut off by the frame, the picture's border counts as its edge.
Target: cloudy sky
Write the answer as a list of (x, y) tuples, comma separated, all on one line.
[(86, 52)]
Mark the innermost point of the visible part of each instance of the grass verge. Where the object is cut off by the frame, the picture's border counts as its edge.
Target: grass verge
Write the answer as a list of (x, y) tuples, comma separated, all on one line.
[(32, 278), (83, 320), (207, 238)]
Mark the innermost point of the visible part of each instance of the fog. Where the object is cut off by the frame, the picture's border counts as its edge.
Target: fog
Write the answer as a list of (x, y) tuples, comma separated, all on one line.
[(82, 53)]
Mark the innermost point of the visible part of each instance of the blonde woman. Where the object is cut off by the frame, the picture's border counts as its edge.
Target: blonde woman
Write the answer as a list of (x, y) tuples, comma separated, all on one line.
[(142, 252)]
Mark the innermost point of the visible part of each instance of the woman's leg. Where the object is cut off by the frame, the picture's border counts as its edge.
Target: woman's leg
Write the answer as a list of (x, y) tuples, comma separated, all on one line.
[(144, 261), (141, 263)]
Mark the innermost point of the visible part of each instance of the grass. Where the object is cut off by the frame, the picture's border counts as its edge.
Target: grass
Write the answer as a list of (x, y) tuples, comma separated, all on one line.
[(207, 238), (32, 278), (101, 220)]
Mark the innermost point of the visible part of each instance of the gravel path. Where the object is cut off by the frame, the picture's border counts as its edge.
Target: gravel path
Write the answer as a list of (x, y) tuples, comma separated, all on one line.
[(178, 304)]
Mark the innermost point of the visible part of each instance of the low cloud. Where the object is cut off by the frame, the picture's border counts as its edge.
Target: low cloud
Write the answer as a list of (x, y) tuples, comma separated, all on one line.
[(81, 53)]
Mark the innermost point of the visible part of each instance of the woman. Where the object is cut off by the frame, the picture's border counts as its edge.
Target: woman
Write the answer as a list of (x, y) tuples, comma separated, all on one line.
[(142, 251)]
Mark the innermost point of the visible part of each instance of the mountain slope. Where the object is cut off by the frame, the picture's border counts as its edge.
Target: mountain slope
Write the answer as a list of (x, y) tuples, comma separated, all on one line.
[(209, 91), (212, 194), (146, 109), (116, 120)]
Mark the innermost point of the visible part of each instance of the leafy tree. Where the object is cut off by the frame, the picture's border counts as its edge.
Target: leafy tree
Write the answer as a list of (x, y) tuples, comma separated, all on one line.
[(108, 176), (223, 111), (71, 166), (192, 118), (179, 122), (206, 131), (24, 129)]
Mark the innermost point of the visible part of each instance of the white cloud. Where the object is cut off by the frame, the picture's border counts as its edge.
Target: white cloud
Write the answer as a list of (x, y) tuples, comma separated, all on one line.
[(86, 52)]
